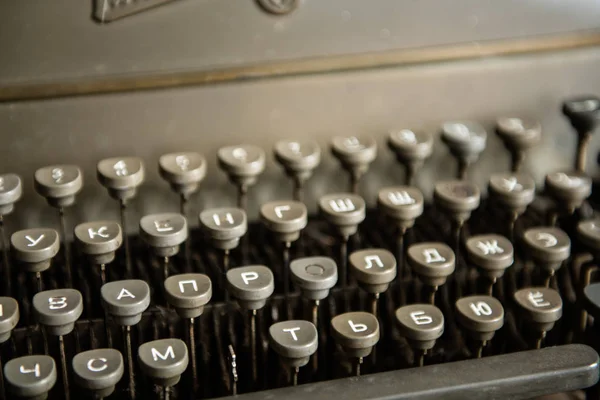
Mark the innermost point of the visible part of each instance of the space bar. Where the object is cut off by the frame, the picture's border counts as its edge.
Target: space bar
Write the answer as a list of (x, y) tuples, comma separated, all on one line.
[(519, 375)]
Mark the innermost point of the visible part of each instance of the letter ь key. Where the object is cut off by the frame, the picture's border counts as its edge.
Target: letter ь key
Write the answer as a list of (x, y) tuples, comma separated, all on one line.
[(357, 333)]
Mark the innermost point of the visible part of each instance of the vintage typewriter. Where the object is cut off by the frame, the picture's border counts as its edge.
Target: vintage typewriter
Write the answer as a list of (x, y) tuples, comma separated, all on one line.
[(299, 199)]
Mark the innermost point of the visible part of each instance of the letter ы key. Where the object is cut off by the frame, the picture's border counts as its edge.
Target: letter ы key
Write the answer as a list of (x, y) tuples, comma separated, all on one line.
[(466, 141), (299, 159), (295, 342), (98, 371), (421, 325), (242, 164), (491, 254), (481, 317), (355, 155), (183, 171), (432, 262), (541, 307), (411, 148), (584, 114), (374, 270), (11, 190), (163, 361), (99, 240), (30, 377), (121, 176), (518, 136), (548, 247), (568, 189), (356, 333), (9, 317), (224, 226), (59, 184)]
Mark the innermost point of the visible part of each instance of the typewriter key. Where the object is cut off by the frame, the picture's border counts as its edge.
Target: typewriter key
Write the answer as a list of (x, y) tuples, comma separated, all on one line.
[(357, 333), (299, 159), (403, 204), (433, 263), (584, 114), (466, 141), (374, 270), (164, 233), (295, 342), (421, 325), (99, 240), (34, 250), (568, 189), (125, 301), (481, 317), (457, 199), (163, 361), (411, 148), (188, 294), (355, 155), (11, 191), (184, 172), (9, 317), (57, 310), (242, 164), (492, 255), (588, 233), (344, 212), (591, 294), (513, 192), (548, 247), (98, 371), (285, 219), (251, 286), (541, 307), (518, 135), (315, 276), (30, 377)]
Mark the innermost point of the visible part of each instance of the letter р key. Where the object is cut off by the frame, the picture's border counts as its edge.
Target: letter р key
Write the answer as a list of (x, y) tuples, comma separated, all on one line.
[(98, 371), (251, 286), (30, 377)]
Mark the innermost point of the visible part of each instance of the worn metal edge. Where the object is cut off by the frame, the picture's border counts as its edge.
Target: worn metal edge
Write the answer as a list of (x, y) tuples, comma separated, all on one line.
[(95, 85)]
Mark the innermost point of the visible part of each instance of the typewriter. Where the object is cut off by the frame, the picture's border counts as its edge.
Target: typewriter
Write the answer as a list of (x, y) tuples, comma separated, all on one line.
[(299, 199)]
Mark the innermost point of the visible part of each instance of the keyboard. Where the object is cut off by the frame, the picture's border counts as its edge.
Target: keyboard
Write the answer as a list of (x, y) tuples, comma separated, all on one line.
[(455, 295)]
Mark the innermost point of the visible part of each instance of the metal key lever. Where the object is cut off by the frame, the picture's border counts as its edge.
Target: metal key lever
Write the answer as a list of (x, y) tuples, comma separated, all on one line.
[(521, 375)]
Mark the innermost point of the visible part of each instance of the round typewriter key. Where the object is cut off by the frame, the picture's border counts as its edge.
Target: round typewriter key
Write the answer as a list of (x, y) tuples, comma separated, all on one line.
[(481, 317), (58, 310), (584, 114), (59, 184), (315, 276), (491, 254), (433, 262), (299, 158), (518, 135), (457, 198), (355, 155), (548, 247), (99, 240), (356, 332), (121, 176), (403, 204), (411, 148), (34, 250), (374, 270), (541, 307), (568, 189), (466, 141), (591, 295), (188, 293), (164, 361), (242, 164), (421, 325), (9, 317), (224, 226), (164, 233), (514, 192), (11, 190), (183, 171), (98, 371), (294, 341), (30, 377), (589, 234)]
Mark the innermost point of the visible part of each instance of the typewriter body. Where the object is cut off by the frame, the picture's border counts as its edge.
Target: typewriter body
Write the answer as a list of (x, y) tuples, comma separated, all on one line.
[(129, 82)]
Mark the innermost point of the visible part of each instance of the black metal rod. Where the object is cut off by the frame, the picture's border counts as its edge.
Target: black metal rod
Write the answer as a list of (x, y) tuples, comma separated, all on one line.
[(5, 258), (127, 334), (253, 345), (65, 244), (63, 363), (344, 262), (192, 335), (125, 237)]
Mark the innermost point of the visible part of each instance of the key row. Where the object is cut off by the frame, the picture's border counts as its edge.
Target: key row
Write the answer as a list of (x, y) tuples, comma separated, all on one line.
[(295, 341)]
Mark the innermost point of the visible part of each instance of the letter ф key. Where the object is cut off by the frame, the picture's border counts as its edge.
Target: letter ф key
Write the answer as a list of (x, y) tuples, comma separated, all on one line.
[(57, 311), (295, 342), (251, 286), (164, 361), (356, 333), (98, 371), (30, 377)]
